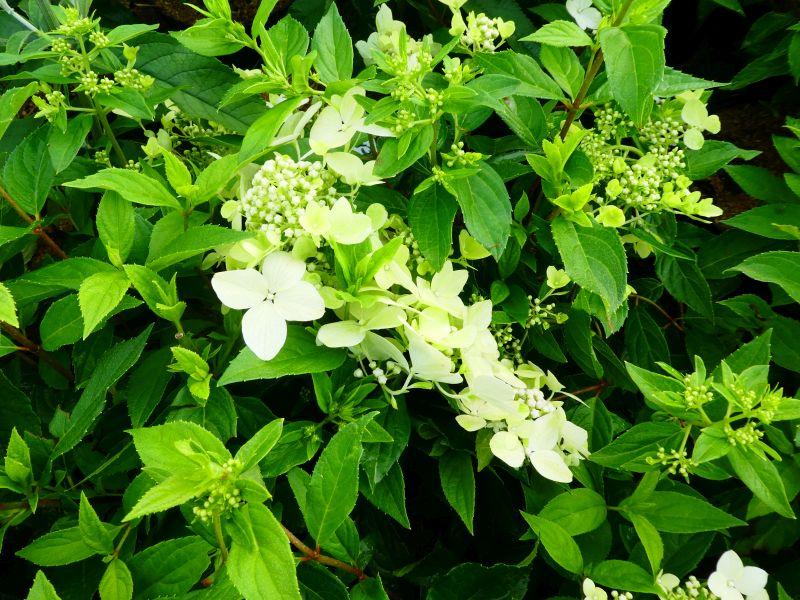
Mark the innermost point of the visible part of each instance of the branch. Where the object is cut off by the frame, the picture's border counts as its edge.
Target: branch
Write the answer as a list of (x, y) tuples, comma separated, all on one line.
[(671, 319), (37, 227), (29, 346), (315, 555), (595, 62)]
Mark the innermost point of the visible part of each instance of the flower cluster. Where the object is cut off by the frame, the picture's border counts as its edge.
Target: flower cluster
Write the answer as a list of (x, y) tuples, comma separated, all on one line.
[(394, 51), (642, 170), (403, 321), (731, 580), (223, 495), (280, 192)]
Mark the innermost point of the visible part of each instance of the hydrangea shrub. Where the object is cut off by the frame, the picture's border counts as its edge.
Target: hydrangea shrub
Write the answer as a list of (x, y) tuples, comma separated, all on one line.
[(437, 313)]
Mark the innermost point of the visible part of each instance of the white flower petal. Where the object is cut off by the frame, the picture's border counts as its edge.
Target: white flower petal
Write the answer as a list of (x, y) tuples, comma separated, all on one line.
[(751, 581), (343, 334), (240, 289), (730, 565), (507, 447), (282, 270), (550, 464), (471, 422), (718, 583), (264, 330), (301, 302), (546, 432)]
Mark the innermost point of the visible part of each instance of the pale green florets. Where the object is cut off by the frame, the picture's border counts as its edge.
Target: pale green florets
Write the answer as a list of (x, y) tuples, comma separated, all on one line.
[(223, 495), (280, 192), (482, 33), (644, 174), (536, 402), (677, 462), (696, 396), (692, 589), (743, 436)]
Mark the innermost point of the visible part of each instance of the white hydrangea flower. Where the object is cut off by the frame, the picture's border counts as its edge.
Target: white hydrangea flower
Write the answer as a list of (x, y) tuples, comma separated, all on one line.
[(585, 15), (271, 297), (592, 592), (351, 332), (340, 121), (733, 581), (338, 223)]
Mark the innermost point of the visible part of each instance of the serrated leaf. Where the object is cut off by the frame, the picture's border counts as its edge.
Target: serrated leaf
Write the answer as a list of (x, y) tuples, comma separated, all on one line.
[(99, 295)]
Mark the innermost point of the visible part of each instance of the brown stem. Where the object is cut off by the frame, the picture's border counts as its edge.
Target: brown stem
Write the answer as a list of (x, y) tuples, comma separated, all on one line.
[(37, 227), (592, 388), (29, 346), (315, 555), (595, 62), (669, 317), (22, 505)]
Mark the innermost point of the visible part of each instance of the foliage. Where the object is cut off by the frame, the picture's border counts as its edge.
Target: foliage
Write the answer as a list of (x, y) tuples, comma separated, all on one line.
[(448, 313)]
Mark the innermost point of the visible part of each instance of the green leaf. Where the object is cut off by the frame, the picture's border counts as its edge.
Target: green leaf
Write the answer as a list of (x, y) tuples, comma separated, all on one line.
[(333, 489), (177, 70), (430, 215), (577, 511), (258, 446), (760, 183), (765, 220), (778, 267), (594, 258), (133, 186), (673, 512), (265, 568), (194, 241), (392, 161), (369, 589), (762, 478), (558, 543), (16, 410), (117, 582), (157, 447), (109, 369), (644, 439), (53, 279), (63, 146), (8, 308), (42, 589), (651, 541), (92, 529), (62, 547), (685, 282), (634, 57), (714, 155), (623, 575), (559, 33), (458, 484), (209, 37), (172, 491), (28, 173), (260, 134), (531, 79), (644, 340), (299, 355), (170, 568), (471, 581), (98, 296), (486, 207), (10, 103), (116, 226), (334, 60), (388, 494)]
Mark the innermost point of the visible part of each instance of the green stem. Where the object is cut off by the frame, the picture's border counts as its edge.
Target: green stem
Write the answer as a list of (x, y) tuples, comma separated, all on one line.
[(101, 116), (223, 549)]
